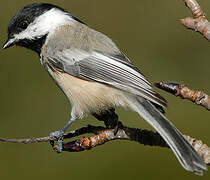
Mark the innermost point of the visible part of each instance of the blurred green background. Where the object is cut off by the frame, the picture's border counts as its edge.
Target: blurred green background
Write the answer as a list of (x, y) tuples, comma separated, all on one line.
[(31, 105)]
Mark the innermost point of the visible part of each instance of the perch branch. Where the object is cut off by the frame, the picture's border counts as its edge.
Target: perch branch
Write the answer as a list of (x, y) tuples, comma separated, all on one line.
[(184, 92), (84, 130), (103, 135), (199, 22)]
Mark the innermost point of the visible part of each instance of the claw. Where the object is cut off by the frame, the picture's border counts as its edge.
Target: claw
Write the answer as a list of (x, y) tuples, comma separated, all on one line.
[(59, 136), (60, 145), (116, 128)]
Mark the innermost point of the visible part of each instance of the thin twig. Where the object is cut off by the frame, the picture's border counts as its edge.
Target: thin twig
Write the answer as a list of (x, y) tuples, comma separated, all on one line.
[(103, 135), (184, 92), (199, 22), (29, 140), (81, 131)]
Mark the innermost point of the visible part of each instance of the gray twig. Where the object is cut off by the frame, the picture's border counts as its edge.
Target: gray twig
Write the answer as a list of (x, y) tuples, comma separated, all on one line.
[(103, 135)]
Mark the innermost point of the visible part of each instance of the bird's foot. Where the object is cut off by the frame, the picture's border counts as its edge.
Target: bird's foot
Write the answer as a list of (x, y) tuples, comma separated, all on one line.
[(59, 136), (118, 126)]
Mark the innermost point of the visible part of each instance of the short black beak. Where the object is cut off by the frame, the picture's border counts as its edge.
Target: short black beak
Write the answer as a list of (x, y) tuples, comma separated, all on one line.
[(9, 43)]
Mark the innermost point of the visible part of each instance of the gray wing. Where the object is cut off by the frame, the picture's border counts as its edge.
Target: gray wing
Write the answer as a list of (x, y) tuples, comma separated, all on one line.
[(113, 70)]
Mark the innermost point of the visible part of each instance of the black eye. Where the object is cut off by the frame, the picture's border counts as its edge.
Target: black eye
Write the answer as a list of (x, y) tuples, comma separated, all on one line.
[(23, 24)]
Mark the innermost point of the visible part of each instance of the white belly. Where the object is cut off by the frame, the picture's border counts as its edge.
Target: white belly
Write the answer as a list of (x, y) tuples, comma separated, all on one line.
[(88, 96)]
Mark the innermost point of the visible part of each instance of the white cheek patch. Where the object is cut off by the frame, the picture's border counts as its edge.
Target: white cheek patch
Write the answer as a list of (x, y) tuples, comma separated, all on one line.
[(44, 24)]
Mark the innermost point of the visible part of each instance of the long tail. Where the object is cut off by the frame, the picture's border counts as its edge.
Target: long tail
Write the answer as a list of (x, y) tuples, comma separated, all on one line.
[(184, 152)]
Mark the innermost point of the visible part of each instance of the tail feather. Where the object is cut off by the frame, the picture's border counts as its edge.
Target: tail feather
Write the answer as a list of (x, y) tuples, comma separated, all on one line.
[(184, 152)]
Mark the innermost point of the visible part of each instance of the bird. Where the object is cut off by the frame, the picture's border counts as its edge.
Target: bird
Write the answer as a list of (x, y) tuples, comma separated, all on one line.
[(95, 76)]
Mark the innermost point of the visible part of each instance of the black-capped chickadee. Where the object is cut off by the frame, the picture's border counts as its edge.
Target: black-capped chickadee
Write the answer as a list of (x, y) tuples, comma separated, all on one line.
[(93, 73)]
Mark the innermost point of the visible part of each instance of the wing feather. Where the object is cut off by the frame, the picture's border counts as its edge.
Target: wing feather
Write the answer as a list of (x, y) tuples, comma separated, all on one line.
[(108, 69)]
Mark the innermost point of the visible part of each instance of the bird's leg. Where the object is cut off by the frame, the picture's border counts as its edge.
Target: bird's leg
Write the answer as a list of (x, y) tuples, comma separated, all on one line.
[(59, 134), (110, 119)]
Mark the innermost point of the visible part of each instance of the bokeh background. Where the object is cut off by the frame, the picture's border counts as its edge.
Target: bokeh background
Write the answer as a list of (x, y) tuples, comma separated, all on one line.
[(31, 105)]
